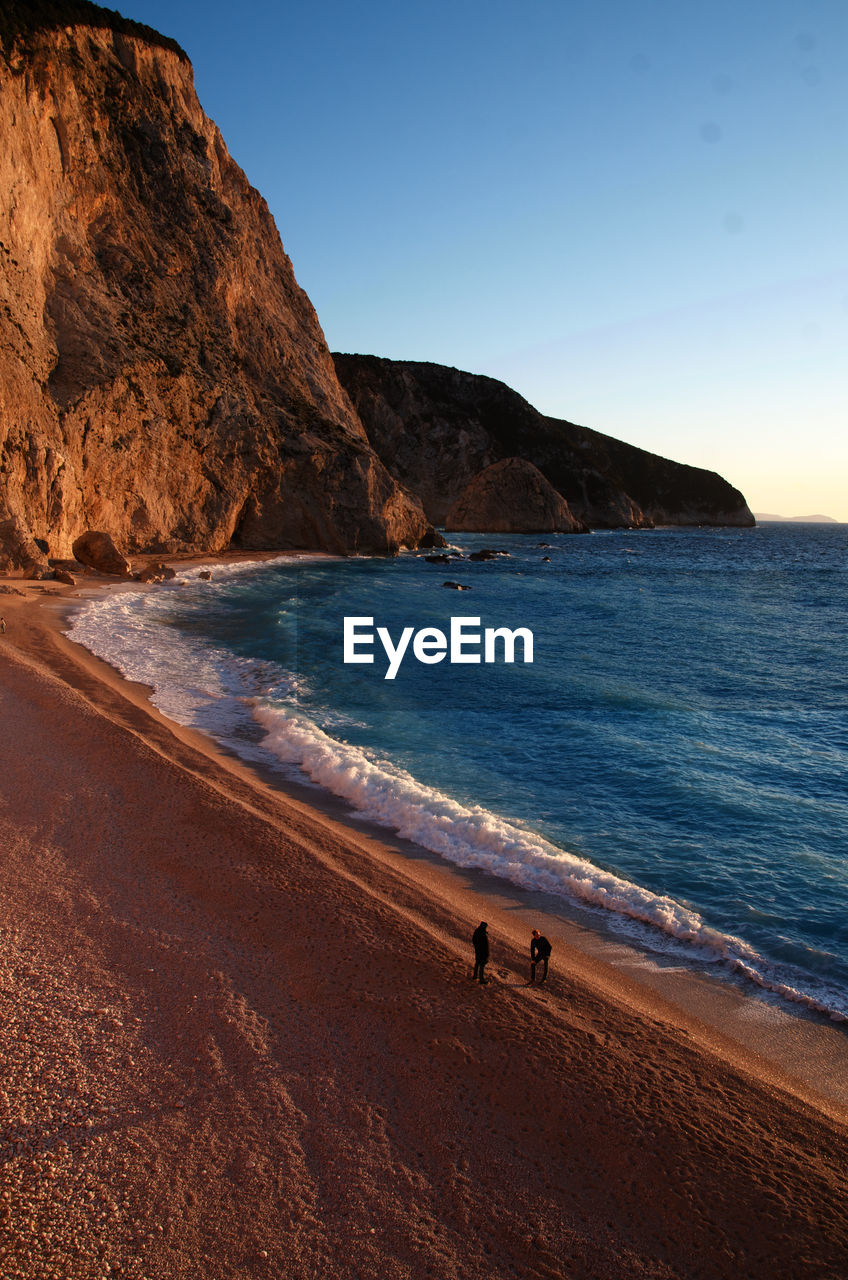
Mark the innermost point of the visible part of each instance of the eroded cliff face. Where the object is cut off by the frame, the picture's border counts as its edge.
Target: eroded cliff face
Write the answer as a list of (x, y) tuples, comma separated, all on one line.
[(436, 428), (162, 375), (511, 496)]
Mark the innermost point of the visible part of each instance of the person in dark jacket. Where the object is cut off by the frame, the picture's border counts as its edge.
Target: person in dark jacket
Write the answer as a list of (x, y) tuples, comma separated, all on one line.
[(540, 950), (480, 942)]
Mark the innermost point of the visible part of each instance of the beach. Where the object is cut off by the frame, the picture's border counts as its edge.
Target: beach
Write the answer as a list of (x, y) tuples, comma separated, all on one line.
[(240, 1039)]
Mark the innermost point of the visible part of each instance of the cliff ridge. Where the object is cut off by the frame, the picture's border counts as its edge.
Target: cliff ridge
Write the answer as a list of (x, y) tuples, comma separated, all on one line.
[(437, 428), (162, 374)]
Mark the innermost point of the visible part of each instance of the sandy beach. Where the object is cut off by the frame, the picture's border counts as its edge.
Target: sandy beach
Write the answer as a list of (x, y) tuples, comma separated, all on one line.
[(239, 1039)]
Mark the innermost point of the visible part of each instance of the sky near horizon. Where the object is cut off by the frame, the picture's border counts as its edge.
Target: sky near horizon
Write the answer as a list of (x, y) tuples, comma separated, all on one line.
[(634, 214)]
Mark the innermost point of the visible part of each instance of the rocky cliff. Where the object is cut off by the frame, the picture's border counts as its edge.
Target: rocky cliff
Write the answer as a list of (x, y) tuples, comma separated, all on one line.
[(511, 496), (437, 428), (162, 375)]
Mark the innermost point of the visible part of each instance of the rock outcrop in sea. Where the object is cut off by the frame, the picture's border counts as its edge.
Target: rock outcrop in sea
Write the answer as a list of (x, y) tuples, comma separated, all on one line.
[(437, 428), (162, 375)]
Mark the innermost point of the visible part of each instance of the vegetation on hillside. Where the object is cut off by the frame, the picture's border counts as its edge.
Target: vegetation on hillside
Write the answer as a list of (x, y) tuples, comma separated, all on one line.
[(20, 20)]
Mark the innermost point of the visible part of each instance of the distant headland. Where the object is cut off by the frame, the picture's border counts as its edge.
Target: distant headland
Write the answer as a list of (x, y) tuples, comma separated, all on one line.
[(762, 518)]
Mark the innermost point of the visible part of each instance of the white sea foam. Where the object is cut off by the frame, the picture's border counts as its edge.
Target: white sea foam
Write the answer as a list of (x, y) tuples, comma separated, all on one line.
[(201, 685), (192, 681), (471, 836)]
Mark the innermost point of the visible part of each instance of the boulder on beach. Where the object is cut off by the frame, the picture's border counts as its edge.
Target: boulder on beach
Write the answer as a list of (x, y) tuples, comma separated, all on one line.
[(97, 550), (155, 573)]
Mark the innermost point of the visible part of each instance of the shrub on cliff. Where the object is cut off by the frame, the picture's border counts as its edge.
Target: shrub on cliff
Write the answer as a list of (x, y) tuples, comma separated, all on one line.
[(20, 19)]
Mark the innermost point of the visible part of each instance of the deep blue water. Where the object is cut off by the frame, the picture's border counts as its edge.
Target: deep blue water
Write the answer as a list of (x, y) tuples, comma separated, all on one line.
[(676, 752)]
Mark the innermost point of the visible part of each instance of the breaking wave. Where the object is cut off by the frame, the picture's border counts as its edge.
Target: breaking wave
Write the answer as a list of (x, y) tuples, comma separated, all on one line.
[(246, 703), (471, 836)]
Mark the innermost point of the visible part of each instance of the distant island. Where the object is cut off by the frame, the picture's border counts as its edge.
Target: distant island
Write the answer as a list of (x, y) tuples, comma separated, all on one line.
[(762, 518)]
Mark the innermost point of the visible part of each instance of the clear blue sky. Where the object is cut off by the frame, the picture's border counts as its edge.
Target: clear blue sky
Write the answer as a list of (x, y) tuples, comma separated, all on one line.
[(635, 212)]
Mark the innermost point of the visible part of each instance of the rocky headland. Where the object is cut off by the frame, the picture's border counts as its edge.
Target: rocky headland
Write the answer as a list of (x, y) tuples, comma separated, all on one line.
[(162, 375), (437, 428)]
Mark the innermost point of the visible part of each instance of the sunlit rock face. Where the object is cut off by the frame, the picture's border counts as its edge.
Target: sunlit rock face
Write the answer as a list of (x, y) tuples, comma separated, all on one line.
[(162, 375)]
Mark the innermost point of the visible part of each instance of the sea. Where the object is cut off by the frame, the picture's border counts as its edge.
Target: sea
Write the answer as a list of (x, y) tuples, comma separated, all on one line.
[(674, 760)]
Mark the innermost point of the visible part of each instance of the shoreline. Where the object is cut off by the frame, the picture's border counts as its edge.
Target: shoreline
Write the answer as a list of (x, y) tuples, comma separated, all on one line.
[(620, 1036), (797, 1049), (794, 1045)]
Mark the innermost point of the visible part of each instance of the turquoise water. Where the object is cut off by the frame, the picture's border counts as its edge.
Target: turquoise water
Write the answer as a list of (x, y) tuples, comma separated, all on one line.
[(675, 756)]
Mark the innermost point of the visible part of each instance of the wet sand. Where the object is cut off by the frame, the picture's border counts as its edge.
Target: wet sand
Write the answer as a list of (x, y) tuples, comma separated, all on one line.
[(239, 1039)]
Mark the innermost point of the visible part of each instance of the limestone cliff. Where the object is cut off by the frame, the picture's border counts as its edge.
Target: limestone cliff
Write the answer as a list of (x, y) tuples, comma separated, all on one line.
[(162, 375), (436, 428)]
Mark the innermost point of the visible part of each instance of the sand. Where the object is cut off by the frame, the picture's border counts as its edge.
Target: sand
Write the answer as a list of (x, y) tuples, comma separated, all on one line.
[(238, 1038)]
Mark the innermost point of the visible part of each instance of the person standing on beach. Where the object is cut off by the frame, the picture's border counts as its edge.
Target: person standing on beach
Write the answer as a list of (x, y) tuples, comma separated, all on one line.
[(2, 626), (540, 950), (480, 942)]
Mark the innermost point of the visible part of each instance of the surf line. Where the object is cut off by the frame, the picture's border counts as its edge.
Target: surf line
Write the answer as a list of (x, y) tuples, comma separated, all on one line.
[(431, 645)]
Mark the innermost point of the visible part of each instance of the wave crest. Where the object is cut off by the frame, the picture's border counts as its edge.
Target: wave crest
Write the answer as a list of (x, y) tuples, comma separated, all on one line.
[(471, 836)]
